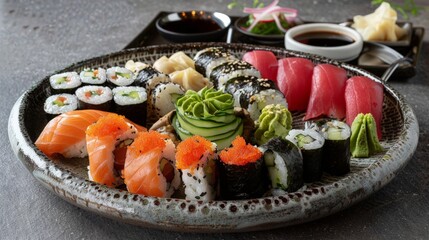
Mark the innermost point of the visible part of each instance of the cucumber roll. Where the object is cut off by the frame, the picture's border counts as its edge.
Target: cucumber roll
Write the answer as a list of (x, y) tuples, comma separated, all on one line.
[(241, 171), (228, 70), (119, 77), (91, 76), (336, 152), (195, 157), (209, 58), (283, 160), (310, 142), (94, 97), (131, 102), (66, 82), (60, 103)]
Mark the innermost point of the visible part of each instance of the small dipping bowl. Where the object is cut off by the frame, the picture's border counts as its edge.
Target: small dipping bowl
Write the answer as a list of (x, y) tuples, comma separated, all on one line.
[(194, 26), (325, 39)]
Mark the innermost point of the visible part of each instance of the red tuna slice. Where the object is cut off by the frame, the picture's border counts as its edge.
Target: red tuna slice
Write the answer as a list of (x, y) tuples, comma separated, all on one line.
[(327, 93), (363, 95), (264, 61), (294, 81)]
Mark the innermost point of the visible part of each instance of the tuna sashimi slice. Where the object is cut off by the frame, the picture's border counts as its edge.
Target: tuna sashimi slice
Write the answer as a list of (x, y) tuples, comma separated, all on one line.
[(362, 95), (294, 81), (327, 93), (264, 61)]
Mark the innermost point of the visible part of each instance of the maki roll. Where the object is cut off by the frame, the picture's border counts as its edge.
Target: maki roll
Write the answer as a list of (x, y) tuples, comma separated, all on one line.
[(131, 102), (241, 171), (253, 94), (66, 82), (336, 152), (150, 166), (161, 101), (228, 70), (119, 76), (195, 157), (91, 76), (209, 58), (94, 97), (60, 103), (149, 77), (283, 160), (310, 142)]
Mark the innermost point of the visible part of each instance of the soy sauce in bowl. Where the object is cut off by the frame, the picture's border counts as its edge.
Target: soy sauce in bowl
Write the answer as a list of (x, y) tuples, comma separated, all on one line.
[(324, 39), (194, 26)]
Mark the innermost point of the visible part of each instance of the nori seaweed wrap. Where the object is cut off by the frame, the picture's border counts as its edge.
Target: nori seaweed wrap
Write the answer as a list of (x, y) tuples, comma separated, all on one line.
[(131, 102), (336, 151), (209, 58), (310, 142), (283, 160), (244, 87), (228, 70), (241, 171)]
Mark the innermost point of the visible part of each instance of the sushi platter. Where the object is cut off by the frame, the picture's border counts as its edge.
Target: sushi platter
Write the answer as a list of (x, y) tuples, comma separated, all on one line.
[(232, 186), (150, 36)]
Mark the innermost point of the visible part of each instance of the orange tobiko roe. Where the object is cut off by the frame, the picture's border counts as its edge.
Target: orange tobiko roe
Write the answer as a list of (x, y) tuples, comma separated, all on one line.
[(112, 124), (190, 151), (147, 141), (240, 153)]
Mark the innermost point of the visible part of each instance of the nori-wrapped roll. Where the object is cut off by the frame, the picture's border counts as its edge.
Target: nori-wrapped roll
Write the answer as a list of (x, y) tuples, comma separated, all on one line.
[(244, 87), (310, 142), (131, 102), (209, 58), (228, 70), (241, 171), (284, 162), (336, 151)]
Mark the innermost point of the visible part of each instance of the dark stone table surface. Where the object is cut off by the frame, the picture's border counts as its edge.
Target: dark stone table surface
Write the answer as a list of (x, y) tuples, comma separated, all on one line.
[(38, 37)]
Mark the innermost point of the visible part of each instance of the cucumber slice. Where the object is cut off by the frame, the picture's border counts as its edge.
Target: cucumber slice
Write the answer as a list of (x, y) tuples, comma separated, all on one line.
[(125, 75), (196, 121), (202, 130)]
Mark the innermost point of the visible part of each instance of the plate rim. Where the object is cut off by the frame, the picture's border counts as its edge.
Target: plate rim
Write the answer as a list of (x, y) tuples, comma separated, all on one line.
[(54, 178)]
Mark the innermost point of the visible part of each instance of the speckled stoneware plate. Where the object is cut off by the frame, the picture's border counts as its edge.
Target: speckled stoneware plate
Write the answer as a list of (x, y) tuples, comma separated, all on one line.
[(68, 178)]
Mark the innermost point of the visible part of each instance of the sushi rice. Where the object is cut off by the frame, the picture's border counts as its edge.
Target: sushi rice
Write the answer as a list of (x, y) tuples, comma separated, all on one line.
[(65, 82), (93, 76), (60, 103), (120, 76)]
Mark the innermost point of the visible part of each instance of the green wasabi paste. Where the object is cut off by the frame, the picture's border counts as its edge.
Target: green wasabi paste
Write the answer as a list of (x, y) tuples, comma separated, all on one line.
[(205, 103), (274, 121), (364, 141)]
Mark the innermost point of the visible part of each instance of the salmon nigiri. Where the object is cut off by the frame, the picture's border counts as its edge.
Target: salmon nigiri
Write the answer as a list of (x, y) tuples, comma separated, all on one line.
[(149, 165), (101, 141), (65, 134)]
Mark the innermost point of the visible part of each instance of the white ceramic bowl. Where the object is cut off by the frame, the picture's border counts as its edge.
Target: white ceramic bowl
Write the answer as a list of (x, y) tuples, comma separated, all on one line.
[(344, 53)]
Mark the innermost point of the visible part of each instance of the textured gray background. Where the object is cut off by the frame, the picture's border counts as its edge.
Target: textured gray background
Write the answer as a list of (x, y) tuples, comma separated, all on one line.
[(39, 37)]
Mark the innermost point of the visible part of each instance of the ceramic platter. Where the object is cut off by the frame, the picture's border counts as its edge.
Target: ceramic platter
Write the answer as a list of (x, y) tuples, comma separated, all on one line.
[(68, 178)]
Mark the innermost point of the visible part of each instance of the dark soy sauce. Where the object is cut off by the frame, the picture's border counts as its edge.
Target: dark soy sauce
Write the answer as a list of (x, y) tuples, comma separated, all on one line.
[(324, 39), (192, 25)]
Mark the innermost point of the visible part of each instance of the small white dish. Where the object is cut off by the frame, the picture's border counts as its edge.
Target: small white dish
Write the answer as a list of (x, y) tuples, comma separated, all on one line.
[(326, 39)]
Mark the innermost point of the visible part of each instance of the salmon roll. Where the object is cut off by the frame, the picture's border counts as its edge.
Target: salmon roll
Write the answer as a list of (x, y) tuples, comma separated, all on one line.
[(241, 172), (195, 157), (150, 166), (102, 138)]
